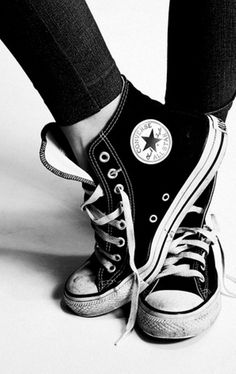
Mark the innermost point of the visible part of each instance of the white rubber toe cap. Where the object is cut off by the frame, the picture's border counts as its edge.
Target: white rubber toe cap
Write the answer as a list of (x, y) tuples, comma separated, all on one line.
[(173, 300), (82, 282)]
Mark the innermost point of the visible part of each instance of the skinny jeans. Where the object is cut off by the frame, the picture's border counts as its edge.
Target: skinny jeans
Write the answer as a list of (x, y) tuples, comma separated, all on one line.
[(61, 49)]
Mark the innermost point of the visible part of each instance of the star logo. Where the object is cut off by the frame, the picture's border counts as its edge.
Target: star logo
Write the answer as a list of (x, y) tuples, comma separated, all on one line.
[(151, 141)]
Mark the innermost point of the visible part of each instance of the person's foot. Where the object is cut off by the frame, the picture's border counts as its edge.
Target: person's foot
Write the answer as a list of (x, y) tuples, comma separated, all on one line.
[(184, 299), (146, 169), (80, 134)]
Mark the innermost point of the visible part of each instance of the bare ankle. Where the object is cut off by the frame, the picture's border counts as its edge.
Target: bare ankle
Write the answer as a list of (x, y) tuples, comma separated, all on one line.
[(83, 132)]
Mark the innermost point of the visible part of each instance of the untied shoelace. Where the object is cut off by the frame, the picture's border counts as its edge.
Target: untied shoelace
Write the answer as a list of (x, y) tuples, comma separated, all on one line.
[(100, 219), (181, 247)]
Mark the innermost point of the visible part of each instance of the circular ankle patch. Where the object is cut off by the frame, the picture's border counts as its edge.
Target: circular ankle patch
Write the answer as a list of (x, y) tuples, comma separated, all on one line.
[(151, 141)]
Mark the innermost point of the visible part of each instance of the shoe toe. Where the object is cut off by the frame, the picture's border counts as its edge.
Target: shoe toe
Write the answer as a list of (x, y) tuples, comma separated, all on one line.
[(173, 300), (82, 281)]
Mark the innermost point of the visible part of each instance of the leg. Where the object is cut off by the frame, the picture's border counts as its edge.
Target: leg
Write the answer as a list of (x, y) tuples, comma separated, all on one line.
[(59, 46), (201, 73)]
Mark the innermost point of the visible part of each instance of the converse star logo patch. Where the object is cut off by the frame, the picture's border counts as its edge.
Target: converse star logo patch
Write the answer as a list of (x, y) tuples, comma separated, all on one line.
[(151, 141)]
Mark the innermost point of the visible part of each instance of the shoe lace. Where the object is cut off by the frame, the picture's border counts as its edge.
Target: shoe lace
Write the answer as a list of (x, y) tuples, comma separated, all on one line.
[(187, 245), (184, 247), (105, 258)]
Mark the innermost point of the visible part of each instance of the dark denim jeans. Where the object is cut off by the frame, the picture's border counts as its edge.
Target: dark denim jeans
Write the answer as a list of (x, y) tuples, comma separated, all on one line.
[(59, 45), (201, 74)]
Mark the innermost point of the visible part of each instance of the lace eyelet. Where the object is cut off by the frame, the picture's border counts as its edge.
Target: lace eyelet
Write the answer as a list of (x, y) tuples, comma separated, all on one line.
[(165, 197), (104, 157), (113, 173), (121, 242), (117, 257), (153, 218), (111, 269), (203, 268), (122, 224), (118, 188)]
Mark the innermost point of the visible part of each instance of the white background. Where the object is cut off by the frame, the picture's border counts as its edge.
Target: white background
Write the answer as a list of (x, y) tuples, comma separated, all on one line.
[(44, 236)]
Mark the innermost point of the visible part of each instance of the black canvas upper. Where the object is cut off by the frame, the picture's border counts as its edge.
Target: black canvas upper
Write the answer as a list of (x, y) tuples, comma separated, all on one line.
[(192, 284), (145, 184)]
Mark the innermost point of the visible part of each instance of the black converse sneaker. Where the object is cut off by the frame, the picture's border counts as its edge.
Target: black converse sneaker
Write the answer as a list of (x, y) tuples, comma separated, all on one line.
[(147, 168), (184, 299)]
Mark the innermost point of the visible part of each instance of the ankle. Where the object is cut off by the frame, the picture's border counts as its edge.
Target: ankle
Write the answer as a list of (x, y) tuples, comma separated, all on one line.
[(83, 132)]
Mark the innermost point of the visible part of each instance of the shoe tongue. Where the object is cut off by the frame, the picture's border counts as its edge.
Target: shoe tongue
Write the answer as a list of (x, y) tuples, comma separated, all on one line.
[(57, 156)]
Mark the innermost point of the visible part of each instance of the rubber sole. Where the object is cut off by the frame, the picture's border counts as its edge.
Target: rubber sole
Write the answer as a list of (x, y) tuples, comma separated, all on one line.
[(162, 325)]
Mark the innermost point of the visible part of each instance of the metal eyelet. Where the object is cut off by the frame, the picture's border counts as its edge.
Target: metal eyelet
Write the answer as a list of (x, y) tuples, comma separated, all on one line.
[(165, 197), (112, 173), (117, 257), (122, 224), (118, 188), (104, 157), (121, 242), (111, 269), (153, 218)]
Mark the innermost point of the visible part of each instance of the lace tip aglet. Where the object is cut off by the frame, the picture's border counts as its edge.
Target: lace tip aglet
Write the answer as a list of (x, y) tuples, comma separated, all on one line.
[(121, 338)]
